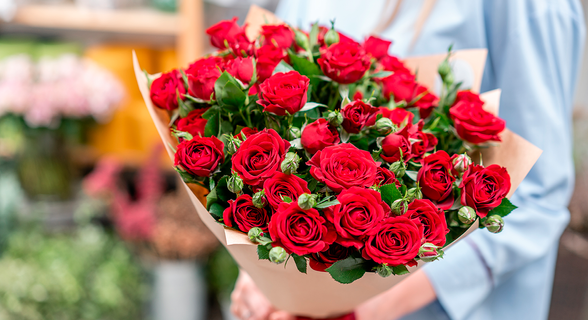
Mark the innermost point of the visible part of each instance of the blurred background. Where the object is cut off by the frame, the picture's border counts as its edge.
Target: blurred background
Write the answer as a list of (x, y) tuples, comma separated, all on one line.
[(93, 223)]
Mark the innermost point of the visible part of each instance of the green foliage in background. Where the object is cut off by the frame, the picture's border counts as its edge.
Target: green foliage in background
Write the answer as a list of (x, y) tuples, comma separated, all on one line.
[(85, 275)]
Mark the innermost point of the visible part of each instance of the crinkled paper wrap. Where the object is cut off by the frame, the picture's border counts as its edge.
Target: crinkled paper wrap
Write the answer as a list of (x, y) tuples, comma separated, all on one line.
[(316, 294)]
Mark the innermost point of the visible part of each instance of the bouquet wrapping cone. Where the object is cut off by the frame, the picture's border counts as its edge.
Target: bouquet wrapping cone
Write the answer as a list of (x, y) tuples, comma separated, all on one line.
[(316, 294)]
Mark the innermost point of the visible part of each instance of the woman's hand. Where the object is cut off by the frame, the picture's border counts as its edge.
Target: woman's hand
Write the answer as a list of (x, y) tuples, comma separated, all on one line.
[(248, 303)]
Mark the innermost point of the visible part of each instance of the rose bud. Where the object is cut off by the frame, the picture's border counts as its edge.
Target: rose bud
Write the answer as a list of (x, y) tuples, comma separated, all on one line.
[(165, 88), (396, 146), (430, 252), (358, 115), (319, 135), (259, 200), (307, 201), (494, 223), (268, 58), (331, 37), (293, 133), (200, 156), (241, 69), (444, 69), (193, 123), (290, 163), (278, 255), (254, 234), (377, 47), (398, 168), (414, 194), (383, 270), (461, 162), (235, 184), (399, 207), (301, 39), (233, 144), (284, 93), (385, 126), (466, 215), (335, 118), (344, 62), (224, 32), (449, 79)]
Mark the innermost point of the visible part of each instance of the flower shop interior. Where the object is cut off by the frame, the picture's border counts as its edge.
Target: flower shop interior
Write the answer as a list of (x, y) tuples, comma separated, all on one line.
[(94, 223)]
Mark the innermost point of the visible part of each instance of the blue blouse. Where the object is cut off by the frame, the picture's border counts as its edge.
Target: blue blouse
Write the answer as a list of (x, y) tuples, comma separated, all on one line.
[(534, 50)]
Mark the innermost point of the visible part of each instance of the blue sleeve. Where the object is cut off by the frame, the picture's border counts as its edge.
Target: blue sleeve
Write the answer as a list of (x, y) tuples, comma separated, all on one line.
[(534, 53)]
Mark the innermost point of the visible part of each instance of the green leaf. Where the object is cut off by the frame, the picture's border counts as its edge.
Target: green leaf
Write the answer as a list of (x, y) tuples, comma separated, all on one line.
[(286, 199), (347, 270), (211, 198), (219, 193), (263, 252), (212, 126), (303, 66), (327, 204), (311, 105), (181, 134), (188, 178), (211, 112), (282, 67), (323, 78), (381, 74), (503, 209), (228, 92), (412, 174), (312, 185), (300, 262), (390, 193), (183, 106), (216, 210), (149, 79), (226, 127), (400, 270)]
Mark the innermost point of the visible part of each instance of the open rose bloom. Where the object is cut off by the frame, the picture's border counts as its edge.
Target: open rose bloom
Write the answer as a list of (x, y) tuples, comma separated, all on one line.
[(333, 155)]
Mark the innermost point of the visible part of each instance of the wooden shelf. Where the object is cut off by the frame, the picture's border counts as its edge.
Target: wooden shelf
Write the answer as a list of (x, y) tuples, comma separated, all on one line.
[(137, 21)]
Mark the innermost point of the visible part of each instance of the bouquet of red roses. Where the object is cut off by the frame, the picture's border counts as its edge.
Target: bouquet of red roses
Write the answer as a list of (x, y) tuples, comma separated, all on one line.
[(332, 154)]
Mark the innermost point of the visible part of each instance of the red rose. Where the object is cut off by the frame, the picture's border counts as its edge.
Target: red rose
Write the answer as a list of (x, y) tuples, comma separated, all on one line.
[(358, 115), (432, 219), (395, 241), (241, 68), (472, 123), (397, 115), (435, 179), (284, 93), (324, 259), (392, 63), (277, 35), (227, 30), (425, 101), (300, 231), (358, 212), (202, 75), (200, 156), (319, 135), (344, 166), (400, 85), (377, 47), (193, 123), (396, 145), (344, 62), (421, 142), (358, 95), (242, 213), (164, 89), (469, 97), (247, 132), (385, 176), (484, 188), (268, 58), (260, 156), (284, 185)]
